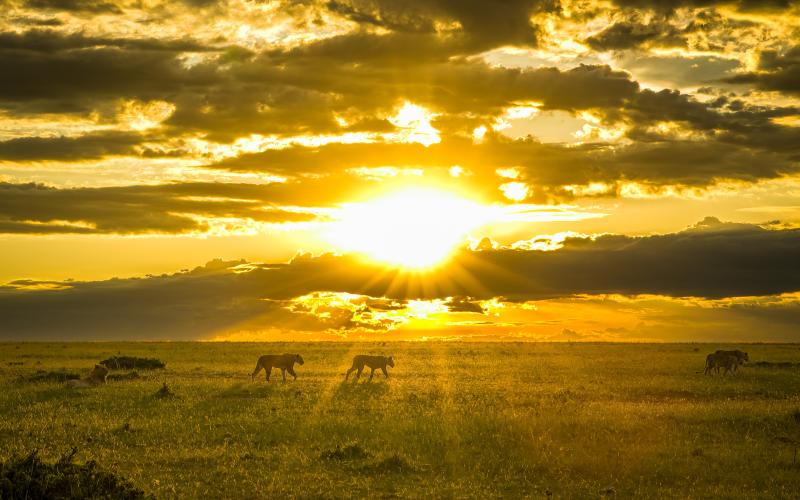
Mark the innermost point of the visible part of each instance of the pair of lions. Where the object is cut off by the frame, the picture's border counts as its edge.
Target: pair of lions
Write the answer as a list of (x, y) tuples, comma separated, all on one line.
[(286, 362), (729, 360), (95, 378)]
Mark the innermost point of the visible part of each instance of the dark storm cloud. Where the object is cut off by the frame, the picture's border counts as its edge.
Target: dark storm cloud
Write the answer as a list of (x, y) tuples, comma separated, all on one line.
[(712, 260), (167, 208)]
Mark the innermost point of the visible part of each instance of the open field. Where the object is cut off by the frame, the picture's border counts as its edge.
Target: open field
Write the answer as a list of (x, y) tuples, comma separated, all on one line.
[(453, 420)]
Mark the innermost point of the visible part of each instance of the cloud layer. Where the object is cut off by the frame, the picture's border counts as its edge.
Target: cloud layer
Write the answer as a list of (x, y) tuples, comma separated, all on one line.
[(712, 260)]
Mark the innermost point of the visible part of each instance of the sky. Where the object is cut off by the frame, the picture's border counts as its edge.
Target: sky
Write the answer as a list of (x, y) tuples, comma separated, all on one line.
[(555, 170)]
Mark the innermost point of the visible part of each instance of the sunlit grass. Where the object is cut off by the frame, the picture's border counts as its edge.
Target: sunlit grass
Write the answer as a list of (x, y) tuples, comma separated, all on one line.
[(453, 420)]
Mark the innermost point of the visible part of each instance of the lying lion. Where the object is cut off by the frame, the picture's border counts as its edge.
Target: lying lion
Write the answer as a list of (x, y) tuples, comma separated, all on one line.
[(95, 378)]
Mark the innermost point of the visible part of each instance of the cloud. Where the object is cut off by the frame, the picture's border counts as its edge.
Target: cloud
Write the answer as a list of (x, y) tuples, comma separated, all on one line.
[(92, 6), (168, 208), (88, 146), (628, 35), (742, 5), (657, 159), (776, 71), (48, 72), (464, 304), (711, 260), (506, 23)]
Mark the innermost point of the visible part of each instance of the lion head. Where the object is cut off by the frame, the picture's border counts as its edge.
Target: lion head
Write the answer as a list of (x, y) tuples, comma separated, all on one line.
[(98, 374)]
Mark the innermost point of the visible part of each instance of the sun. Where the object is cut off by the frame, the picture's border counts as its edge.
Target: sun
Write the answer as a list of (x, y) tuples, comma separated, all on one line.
[(414, 228)]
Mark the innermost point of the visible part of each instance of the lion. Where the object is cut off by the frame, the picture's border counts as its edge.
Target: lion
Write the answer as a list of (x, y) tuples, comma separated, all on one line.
[(718, 359), (740, 355), (722, 359), (95, 378), (373, 362), (283, 361)]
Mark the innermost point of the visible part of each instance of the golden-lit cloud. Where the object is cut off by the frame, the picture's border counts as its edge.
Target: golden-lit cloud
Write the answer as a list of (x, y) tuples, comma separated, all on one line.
[(466, 156)]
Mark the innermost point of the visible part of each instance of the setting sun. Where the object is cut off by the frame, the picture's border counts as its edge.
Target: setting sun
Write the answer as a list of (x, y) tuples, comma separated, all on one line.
[(426, 249), (414, 228)]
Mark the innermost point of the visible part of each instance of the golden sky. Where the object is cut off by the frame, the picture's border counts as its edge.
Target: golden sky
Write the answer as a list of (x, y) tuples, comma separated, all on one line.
[(624, 170)]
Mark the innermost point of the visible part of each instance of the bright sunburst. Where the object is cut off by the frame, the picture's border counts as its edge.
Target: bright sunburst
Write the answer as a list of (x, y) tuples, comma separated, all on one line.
[(413, 228)]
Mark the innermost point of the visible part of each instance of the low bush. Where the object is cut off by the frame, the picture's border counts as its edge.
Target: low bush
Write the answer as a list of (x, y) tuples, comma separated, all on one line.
[(131, 363), (30, 477)]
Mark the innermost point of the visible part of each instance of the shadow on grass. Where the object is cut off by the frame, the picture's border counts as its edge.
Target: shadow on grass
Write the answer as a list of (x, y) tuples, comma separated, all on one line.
[(363, 390), (42, 376), (354, 455), (58, 393), (248, 390)]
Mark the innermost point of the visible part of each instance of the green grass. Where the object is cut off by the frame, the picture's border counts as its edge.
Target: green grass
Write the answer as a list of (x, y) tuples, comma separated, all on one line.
[(453, 420)]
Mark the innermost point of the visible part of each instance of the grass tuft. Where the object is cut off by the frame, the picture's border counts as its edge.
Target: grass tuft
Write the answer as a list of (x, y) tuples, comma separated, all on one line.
[(348, 452), (164, 392), (393, 464)]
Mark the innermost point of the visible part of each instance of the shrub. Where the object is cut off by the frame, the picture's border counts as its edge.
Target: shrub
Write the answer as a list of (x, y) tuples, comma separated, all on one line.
[(30, 477), (131, 362)]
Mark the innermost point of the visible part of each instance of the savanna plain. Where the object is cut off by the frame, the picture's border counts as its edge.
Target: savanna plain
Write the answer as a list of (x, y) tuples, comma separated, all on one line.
[(475, 420)]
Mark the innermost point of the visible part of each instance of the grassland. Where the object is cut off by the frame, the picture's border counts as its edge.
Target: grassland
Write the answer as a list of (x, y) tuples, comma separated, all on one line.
[(453, 420)]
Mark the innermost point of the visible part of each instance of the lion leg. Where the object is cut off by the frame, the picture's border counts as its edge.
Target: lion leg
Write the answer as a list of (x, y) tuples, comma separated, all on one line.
[(268, 370), (358, 373), (255, 372), (385, 373), (291, 372), (371, 374), (283, 374)]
